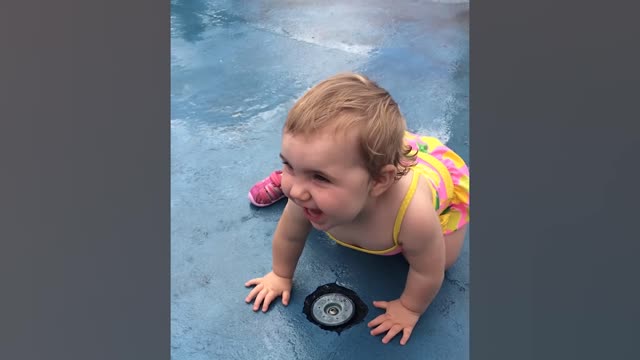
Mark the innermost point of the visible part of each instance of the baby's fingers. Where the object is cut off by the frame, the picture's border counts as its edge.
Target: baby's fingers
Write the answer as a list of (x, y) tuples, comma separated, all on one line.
[(259, 298), (255, 281), (285, 297), (378, 320), (406, 333), (253, 293), (382, 328), (268, 299), (381, 304), (395, 329)]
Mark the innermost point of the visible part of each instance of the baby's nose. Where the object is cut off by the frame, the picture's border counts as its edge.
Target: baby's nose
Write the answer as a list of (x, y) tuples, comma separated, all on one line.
[(300, 194), (305, 196)]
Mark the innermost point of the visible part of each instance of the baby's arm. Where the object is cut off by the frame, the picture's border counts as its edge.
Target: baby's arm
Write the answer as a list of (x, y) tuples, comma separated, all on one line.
[(423, 247), (289, 239), (287, 246)]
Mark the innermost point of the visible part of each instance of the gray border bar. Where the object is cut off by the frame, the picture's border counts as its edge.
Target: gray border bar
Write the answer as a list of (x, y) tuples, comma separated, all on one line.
[(554, 94), (84, 145)]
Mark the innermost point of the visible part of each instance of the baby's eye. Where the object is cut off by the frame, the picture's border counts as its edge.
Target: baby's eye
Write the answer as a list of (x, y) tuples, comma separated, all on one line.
[(320, 178), (287, 168)]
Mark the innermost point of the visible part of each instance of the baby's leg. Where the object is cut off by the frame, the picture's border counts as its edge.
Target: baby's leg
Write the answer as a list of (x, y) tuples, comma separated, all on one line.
[(453, 243)]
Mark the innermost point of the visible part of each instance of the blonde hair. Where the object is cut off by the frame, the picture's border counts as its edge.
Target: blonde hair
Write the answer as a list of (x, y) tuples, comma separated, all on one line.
[(347, 100)]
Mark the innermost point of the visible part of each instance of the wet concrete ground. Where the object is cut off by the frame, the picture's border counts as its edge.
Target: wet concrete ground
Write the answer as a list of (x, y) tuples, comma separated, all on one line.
[(236, 69)]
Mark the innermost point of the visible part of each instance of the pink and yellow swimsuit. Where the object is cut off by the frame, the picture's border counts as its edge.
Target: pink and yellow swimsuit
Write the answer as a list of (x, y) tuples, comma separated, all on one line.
[(447, 176)]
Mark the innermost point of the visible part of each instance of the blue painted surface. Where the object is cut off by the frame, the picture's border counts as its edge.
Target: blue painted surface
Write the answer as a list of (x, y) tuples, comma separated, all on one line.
[(236, 69)]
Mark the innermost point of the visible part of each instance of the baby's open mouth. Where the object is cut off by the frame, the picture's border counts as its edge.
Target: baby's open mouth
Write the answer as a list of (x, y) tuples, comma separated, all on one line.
[(315, 212)]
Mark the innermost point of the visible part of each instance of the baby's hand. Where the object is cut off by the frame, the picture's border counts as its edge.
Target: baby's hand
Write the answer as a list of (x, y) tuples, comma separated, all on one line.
[(267, 289), (397, 318)]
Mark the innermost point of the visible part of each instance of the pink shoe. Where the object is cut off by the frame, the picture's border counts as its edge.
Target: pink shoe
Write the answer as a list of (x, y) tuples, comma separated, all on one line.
[(267, 192)]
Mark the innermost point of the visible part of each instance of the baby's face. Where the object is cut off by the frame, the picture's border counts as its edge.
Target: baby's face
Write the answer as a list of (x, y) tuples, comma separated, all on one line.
[(324, 174)]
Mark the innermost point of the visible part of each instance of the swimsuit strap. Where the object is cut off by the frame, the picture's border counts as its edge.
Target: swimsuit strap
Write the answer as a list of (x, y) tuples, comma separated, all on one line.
[(374, 252), (396, 226), (404, 206)]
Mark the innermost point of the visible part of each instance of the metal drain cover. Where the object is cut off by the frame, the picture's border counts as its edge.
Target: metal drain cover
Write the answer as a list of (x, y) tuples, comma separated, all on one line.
[(333, 309)]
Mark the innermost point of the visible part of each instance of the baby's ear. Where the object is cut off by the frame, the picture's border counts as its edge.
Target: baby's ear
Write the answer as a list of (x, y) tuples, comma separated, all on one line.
[(386, 177)]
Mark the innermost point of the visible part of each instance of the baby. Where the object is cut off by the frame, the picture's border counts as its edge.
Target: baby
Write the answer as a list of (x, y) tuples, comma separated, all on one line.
[(352, 170)]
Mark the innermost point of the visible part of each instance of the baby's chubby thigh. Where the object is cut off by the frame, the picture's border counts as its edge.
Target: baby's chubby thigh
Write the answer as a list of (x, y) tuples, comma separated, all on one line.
[(453, 244)]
